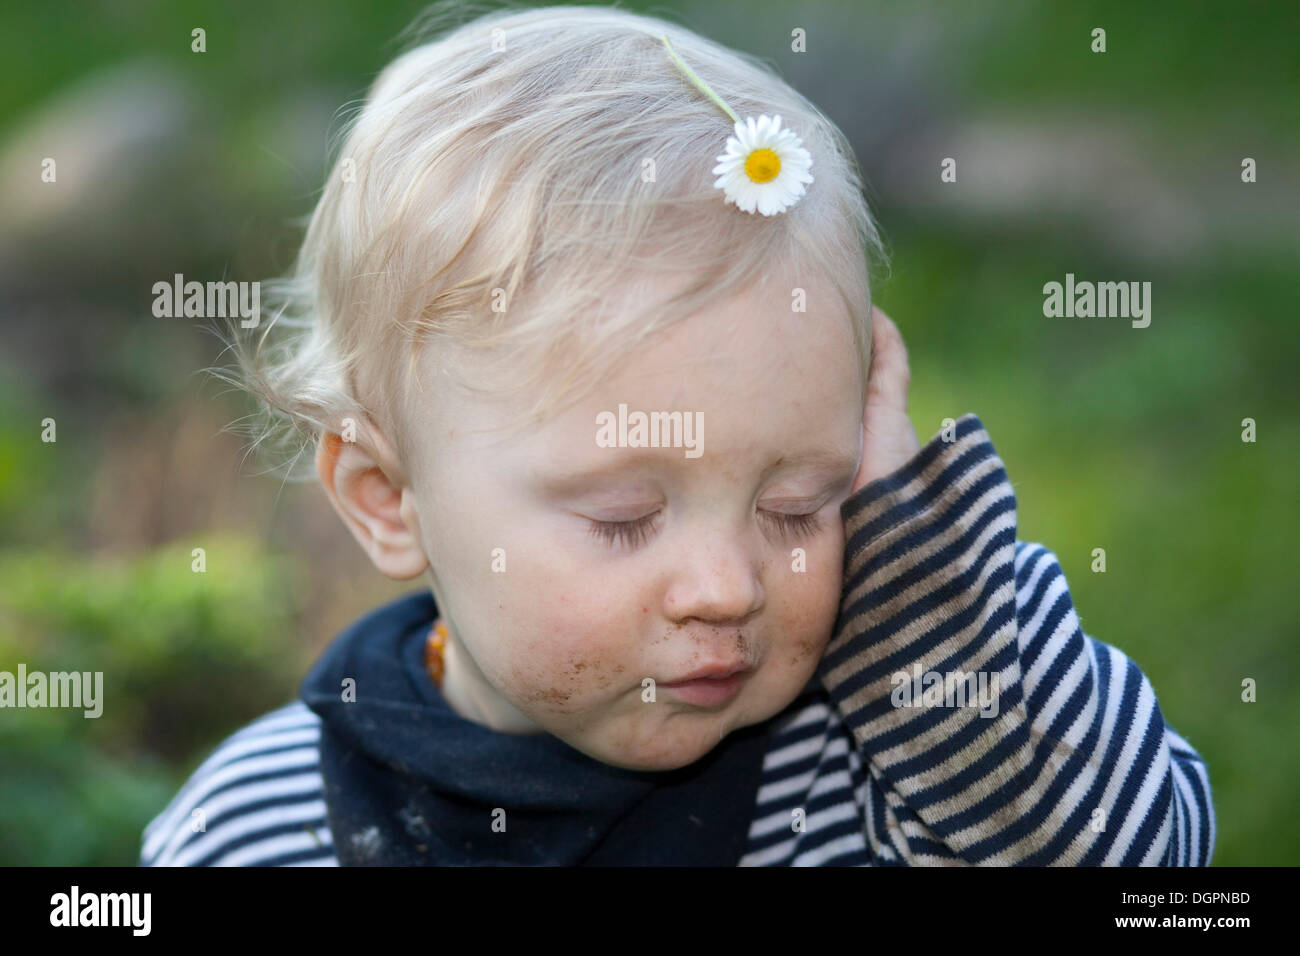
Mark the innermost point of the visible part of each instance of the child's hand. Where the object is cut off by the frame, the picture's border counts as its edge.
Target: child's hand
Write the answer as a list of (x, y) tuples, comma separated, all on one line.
[(888, 439)]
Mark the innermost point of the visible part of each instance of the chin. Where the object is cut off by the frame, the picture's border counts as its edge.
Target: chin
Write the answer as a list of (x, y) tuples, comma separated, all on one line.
[(672, 745), (659, 754)]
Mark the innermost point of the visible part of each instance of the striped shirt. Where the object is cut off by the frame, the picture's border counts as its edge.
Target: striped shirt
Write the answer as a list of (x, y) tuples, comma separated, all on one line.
[(1072, 764)]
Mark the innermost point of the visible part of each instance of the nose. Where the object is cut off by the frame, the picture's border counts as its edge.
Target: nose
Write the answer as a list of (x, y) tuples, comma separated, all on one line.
[(717, 581)]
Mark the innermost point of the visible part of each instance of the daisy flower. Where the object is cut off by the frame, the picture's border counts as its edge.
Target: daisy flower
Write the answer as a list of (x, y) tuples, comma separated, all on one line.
[(765, 167)]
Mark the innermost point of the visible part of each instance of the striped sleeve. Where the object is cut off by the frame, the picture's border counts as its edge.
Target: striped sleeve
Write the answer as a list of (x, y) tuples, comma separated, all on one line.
[(997, 732), (256, 801)]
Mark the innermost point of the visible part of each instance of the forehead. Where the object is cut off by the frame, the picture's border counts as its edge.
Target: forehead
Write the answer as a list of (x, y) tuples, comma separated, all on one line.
[(754, 376), (758, 374)]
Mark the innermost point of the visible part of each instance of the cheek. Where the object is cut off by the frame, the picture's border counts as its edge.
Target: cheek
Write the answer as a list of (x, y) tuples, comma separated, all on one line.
[(569, 654), (807, 603)]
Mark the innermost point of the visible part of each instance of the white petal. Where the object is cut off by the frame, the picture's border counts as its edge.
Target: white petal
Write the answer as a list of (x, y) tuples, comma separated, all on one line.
[(728, 163)]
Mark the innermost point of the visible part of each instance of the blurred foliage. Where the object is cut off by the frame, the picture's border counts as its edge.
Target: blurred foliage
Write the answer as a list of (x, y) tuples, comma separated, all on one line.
[(183, 656)]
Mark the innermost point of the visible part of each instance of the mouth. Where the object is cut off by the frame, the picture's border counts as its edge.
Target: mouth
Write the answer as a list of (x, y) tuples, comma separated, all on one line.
[(713, 672), (717, 686)]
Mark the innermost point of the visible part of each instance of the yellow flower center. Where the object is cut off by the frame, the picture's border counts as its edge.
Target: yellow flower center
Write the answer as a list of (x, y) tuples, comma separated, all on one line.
[(762, 165)]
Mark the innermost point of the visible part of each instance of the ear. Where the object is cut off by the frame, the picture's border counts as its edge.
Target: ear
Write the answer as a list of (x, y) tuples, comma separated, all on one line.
[(367, 487)]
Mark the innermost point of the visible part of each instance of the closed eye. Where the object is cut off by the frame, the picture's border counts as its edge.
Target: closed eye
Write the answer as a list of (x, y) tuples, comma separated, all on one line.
[(634, 533), (796, 525), (630, 533)]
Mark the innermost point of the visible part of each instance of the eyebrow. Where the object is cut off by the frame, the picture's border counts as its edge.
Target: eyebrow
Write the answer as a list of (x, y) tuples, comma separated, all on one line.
[(637, 458)]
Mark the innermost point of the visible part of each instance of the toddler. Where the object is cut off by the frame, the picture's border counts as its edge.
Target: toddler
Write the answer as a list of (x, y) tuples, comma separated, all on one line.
[(581, 335)]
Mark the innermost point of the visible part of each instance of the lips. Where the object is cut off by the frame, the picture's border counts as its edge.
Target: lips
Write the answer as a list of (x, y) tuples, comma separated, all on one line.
[(715, 672), (711, 691)]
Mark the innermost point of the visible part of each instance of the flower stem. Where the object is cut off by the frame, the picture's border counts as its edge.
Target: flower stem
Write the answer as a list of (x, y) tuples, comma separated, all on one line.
[(704, 87)]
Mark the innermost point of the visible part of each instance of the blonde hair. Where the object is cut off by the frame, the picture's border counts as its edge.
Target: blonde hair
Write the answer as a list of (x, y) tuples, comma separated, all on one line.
[(503, 161)]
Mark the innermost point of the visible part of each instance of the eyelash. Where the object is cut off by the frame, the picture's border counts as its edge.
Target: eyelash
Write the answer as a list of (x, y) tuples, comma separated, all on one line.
[(633, 533)]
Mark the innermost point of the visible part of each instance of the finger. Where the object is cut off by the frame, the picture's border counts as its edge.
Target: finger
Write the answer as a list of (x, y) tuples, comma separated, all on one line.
[(890, 373)]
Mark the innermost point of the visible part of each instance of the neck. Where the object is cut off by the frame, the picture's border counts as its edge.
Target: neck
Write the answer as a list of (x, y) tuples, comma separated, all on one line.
[(471, 696)]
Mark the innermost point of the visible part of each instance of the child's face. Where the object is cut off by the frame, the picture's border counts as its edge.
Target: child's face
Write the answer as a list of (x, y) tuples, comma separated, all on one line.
[(563, 638)]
